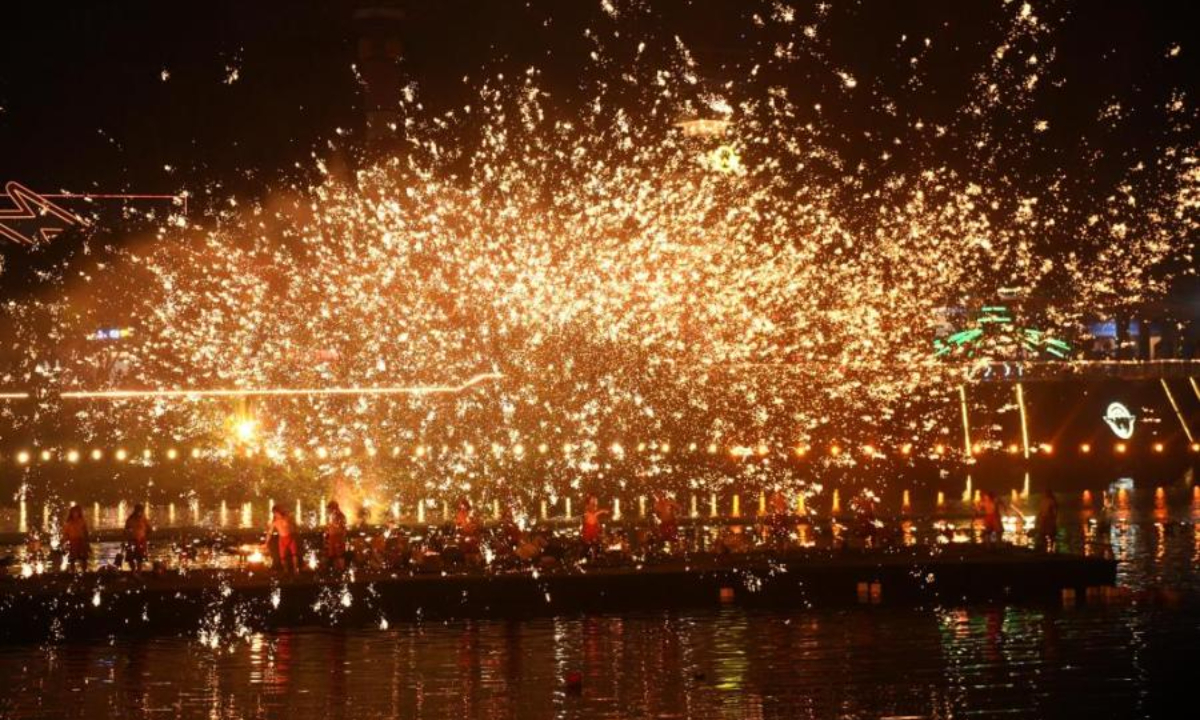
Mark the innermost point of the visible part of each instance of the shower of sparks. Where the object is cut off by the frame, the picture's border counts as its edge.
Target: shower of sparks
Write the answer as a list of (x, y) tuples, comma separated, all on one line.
[(631, 278)]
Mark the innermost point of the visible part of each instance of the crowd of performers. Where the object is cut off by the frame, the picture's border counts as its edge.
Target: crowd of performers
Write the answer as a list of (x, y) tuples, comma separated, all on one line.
[(506, 541)]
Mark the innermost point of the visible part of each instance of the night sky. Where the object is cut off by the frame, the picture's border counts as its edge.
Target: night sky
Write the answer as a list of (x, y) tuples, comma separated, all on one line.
[(83, 105)]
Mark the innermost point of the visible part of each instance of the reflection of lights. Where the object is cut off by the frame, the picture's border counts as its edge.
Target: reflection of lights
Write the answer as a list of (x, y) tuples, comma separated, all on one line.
[(72, 456), (1195, 447), (22, 457), (1046, 448), (801, 451), (1120, 447), (1013, 449), (1085, 448), (97, 454), (195, 452), (869, 450), (121, 454), (906, 448), (940, 449), (1158, 447), (835, 451)]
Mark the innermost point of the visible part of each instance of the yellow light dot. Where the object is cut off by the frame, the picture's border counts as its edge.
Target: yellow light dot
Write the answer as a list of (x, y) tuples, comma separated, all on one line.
[(246, 429), (322, 453), (666, 448), (96, 454), (801, 451), (172, 454), (906, 448), (22, 457), (869, 450), (121, 454), (1158, 447), (835, 451), (73, 456), (712, 448), (45, 455), (195, 452), (1014, 449), (1120, 447), (1047, 448), (762, 449), (1085, 448), (147, 454), (542, 448), (940, 449), (1195, 447)]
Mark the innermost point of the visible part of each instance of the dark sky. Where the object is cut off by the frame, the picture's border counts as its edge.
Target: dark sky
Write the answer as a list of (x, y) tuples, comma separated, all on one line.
[(84, 106)]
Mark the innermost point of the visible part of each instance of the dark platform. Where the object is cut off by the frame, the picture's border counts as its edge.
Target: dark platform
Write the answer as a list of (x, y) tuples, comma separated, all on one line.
[(68, 606)]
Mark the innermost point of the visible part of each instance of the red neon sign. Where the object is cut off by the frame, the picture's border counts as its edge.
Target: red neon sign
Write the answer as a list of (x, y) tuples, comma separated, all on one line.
[(30, 206)]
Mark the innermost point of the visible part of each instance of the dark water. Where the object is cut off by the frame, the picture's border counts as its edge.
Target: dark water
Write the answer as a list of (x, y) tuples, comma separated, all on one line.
[(1139, 657)]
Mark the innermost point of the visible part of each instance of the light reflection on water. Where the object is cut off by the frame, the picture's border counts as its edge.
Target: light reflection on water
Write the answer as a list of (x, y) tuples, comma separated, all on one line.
[(1131, 659), (1019, 662)]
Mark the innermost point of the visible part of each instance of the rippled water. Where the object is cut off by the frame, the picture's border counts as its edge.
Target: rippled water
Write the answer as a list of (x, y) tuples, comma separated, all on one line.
[(1132, 659)]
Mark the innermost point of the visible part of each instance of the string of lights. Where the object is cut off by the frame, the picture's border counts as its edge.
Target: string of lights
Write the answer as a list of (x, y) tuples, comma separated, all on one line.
[(73, 455)]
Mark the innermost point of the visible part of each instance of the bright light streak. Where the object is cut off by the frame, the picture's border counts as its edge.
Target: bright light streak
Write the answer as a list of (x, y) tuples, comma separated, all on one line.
[(962, 399), (1024, 421), (1178, 413), (279, 392)]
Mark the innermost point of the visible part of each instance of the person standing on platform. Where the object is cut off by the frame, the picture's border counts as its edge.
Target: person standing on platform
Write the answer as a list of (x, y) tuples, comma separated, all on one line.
[(137, 537), (593, 530), (666, 514), (283, 525), (1045, 528), (335, 536), (79, 545), (993, 525)]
